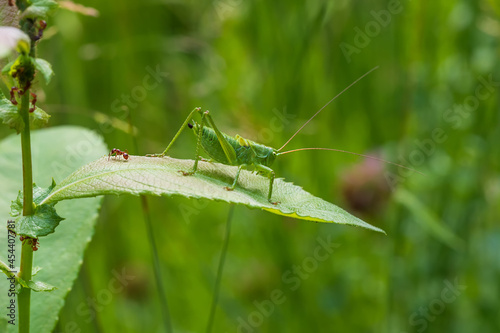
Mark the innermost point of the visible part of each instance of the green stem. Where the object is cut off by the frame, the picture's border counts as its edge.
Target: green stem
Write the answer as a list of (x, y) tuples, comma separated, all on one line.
[(24, 296), (26, 147), (6, 269), (167, 322), (222, 260)]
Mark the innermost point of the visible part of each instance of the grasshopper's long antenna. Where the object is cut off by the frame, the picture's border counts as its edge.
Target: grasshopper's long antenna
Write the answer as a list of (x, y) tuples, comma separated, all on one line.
[(348, 152), (324, 106)]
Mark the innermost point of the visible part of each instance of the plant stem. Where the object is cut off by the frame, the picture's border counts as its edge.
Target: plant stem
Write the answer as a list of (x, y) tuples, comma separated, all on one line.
[(26, 151), (6, 269), (24, 296), (222, 260), (167, 322)]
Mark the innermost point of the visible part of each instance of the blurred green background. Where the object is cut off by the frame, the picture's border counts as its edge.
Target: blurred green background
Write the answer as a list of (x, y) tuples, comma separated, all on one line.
[(263, 68)]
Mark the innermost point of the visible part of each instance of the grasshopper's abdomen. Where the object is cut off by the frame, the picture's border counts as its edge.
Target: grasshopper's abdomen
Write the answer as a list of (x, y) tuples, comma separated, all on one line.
[(212, 146), (247, 152)]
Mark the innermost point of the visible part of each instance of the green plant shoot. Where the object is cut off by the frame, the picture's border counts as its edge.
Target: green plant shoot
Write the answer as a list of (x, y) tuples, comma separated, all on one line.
[(241, 152)]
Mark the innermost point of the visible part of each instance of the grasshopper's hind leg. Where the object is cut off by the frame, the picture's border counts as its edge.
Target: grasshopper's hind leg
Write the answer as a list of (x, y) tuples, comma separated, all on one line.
[(269, 173)]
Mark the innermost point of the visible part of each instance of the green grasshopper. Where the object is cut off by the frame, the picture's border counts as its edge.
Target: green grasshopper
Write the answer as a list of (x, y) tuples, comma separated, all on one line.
[(241, 152)]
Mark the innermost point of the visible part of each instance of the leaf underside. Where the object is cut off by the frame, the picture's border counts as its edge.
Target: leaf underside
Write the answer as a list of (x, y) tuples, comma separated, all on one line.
[(160, 176)]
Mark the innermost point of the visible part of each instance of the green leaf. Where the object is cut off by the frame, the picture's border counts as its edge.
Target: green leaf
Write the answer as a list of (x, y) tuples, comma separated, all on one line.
[(45, 68), (13, 39), (10, 116), (38, 118), (21, 283), (39, 9), (40, 286), (6, 68), (42, 222), (35, 270), (56, 153), (160, 176)]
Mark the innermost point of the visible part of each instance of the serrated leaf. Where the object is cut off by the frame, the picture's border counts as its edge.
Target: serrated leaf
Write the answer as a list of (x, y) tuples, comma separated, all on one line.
[(10, 116), (45, 68), (160, 176), (39, 8), (44, 219), (13, 39), (40, 286), (16, 207), (41, 223)]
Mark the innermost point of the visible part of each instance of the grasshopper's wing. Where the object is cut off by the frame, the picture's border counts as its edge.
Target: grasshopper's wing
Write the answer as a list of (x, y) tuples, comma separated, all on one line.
[(228, 149)]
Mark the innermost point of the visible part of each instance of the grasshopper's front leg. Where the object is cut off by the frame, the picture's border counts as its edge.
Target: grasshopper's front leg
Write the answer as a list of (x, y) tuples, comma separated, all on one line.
[(226, 147), (269, 173), (198, 145), (186, 122)]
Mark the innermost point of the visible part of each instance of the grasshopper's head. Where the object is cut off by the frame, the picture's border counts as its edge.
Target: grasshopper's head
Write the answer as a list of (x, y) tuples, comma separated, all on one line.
[(263, 154), (272, 156), (268, 157), (194, 126)]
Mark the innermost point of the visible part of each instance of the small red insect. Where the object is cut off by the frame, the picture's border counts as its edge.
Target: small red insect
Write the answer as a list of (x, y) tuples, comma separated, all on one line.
[(42, 24), (117, 152), (13, 91), (35, 244), (41, 27), (33, 241), (33, 102)]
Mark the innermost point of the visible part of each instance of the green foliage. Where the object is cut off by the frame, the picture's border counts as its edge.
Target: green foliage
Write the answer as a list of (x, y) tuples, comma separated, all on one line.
[(43, 221), (9, 114), (160, 176), (40, 9), (263, 68), (39, 286), (60, 254), (45, 68)]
